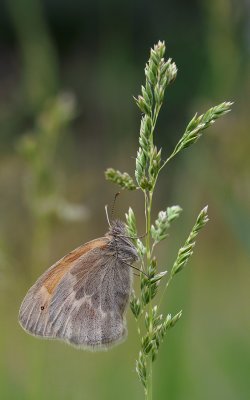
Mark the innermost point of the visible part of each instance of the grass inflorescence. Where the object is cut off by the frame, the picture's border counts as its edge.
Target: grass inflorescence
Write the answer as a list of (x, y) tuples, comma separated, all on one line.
[(152, 325)]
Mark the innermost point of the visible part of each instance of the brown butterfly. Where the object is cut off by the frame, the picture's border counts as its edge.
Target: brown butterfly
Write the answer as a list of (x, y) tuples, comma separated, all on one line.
[(82, 298)]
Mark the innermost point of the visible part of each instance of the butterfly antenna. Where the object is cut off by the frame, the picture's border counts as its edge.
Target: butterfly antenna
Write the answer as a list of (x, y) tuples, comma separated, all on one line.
[(113, 205), (107, 215)]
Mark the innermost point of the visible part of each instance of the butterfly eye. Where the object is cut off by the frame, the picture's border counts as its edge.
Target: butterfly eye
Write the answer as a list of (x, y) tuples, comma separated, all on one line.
[(42, 307)]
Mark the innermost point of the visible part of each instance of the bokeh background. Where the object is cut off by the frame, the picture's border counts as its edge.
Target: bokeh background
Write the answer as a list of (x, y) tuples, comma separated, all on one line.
[(68, 71)]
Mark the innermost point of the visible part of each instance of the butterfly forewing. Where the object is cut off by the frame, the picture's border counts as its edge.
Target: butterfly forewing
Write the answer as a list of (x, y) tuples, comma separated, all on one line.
[(81, 299)]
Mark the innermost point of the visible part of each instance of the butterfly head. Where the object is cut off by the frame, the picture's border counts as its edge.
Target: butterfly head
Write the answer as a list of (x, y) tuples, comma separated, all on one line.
[(121, 240), (118, 228)]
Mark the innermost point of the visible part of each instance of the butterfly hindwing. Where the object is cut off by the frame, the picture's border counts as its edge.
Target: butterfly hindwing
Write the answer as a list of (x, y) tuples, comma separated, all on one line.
[(87, 308), (85, 305), (38, 298)]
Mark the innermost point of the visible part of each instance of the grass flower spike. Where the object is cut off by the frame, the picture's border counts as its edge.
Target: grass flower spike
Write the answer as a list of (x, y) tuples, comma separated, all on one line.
[(153, 326)]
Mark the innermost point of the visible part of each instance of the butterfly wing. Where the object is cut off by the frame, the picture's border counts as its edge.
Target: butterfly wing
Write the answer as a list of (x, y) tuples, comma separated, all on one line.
[(39, 296), (81, 299)]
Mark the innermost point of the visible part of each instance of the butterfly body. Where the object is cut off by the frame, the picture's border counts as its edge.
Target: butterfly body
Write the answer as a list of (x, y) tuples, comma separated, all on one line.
[(82, 298)]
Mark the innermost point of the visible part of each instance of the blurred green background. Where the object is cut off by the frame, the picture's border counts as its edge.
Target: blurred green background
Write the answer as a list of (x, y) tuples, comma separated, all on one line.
[(68, 72)]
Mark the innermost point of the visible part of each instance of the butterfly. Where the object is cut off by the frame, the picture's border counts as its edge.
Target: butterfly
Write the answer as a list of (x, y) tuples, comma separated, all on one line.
[(82, 298)]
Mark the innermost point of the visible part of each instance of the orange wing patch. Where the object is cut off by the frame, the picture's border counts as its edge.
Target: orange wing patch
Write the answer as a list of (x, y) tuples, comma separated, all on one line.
[(62, 266)]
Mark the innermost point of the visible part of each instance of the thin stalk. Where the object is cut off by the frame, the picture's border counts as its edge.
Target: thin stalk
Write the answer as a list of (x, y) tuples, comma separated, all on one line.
[(148, 208), (164, 290), (166, 161)]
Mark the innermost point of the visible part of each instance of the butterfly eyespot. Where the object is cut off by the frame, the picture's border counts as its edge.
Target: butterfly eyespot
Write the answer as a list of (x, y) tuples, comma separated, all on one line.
[(42, 308)]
